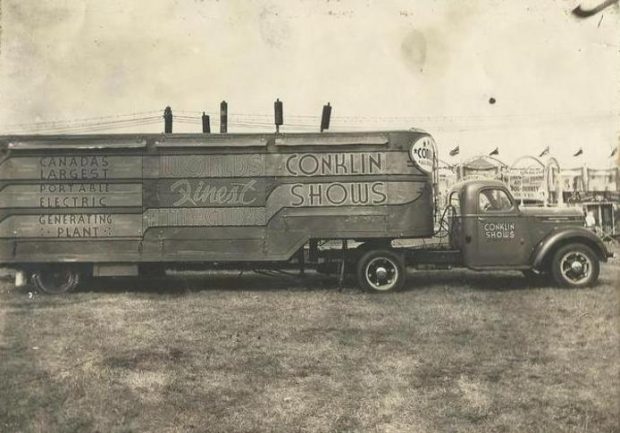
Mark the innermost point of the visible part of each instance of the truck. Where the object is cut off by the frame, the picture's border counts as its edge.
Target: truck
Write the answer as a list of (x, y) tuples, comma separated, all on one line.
[(75, 207)]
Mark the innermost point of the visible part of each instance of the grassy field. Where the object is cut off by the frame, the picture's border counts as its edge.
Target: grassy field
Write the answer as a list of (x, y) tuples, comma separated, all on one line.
[(456, 351)]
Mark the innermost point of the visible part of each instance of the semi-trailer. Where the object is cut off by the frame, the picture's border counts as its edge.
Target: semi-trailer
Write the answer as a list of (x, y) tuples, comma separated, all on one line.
[(74, 207)]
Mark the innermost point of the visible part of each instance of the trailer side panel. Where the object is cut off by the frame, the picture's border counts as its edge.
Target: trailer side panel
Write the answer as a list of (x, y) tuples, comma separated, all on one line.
[(186, 198)]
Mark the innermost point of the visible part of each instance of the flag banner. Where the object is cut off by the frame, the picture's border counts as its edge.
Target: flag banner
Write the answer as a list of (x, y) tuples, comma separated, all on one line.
[(579, 152), (455, 151), (544, 152), (495, 151), (613, 152)]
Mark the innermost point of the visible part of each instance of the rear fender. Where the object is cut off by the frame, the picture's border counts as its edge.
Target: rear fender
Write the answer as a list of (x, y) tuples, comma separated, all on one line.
[(558, 238)]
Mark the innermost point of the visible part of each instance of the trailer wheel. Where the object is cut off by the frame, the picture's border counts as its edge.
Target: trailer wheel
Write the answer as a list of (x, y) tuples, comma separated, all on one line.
[(381, 271), (575, 265), (56, 279)]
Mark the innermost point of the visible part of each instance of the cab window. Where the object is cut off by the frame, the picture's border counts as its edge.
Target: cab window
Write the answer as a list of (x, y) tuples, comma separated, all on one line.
[(494, 200)]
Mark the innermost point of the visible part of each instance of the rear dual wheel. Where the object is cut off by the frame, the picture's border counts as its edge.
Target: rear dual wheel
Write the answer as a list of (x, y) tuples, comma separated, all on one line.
[(381, 271)]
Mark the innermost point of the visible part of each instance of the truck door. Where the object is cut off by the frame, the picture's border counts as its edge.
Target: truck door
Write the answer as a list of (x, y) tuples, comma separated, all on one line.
[(498, 233)]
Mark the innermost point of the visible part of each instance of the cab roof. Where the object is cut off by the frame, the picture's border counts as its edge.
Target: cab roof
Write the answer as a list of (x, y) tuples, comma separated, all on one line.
[(475, 184)]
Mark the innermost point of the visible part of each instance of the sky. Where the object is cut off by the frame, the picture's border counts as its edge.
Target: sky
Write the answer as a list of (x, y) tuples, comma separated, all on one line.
[(431, 64)]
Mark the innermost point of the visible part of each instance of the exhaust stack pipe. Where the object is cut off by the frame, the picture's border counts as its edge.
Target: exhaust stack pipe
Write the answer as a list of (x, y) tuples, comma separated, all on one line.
[(326, 117), (278, 114), (168, 120), (206, 124), (223, 117)]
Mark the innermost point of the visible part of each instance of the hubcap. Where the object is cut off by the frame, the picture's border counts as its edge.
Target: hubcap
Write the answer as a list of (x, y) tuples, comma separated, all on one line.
[(382, 273), (576, 267)]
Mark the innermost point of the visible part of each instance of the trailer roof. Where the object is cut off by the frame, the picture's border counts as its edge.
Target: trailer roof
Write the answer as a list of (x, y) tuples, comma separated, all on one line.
[(131, 141)]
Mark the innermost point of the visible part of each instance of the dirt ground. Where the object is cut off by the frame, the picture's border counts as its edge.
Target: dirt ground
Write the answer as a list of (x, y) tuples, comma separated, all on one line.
[(456, 351)]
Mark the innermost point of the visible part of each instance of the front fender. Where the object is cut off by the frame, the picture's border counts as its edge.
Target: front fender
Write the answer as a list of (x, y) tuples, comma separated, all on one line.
[(568, 235)]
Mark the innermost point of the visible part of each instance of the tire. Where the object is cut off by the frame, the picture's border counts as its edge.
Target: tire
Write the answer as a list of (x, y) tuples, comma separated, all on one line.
[(381, 271), (55, 280), (575, 265)]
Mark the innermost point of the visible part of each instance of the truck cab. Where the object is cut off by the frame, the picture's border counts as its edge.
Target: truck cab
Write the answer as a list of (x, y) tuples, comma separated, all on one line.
[(487, 230), (492, 232)]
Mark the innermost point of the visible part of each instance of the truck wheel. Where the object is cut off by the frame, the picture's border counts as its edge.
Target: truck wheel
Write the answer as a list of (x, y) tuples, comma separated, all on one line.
[(381, 271), (56, 279), (575, 265)]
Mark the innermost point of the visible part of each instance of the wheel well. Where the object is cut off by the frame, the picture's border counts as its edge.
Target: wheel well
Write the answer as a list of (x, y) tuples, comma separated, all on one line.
[(546, 263), (370, 245)]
